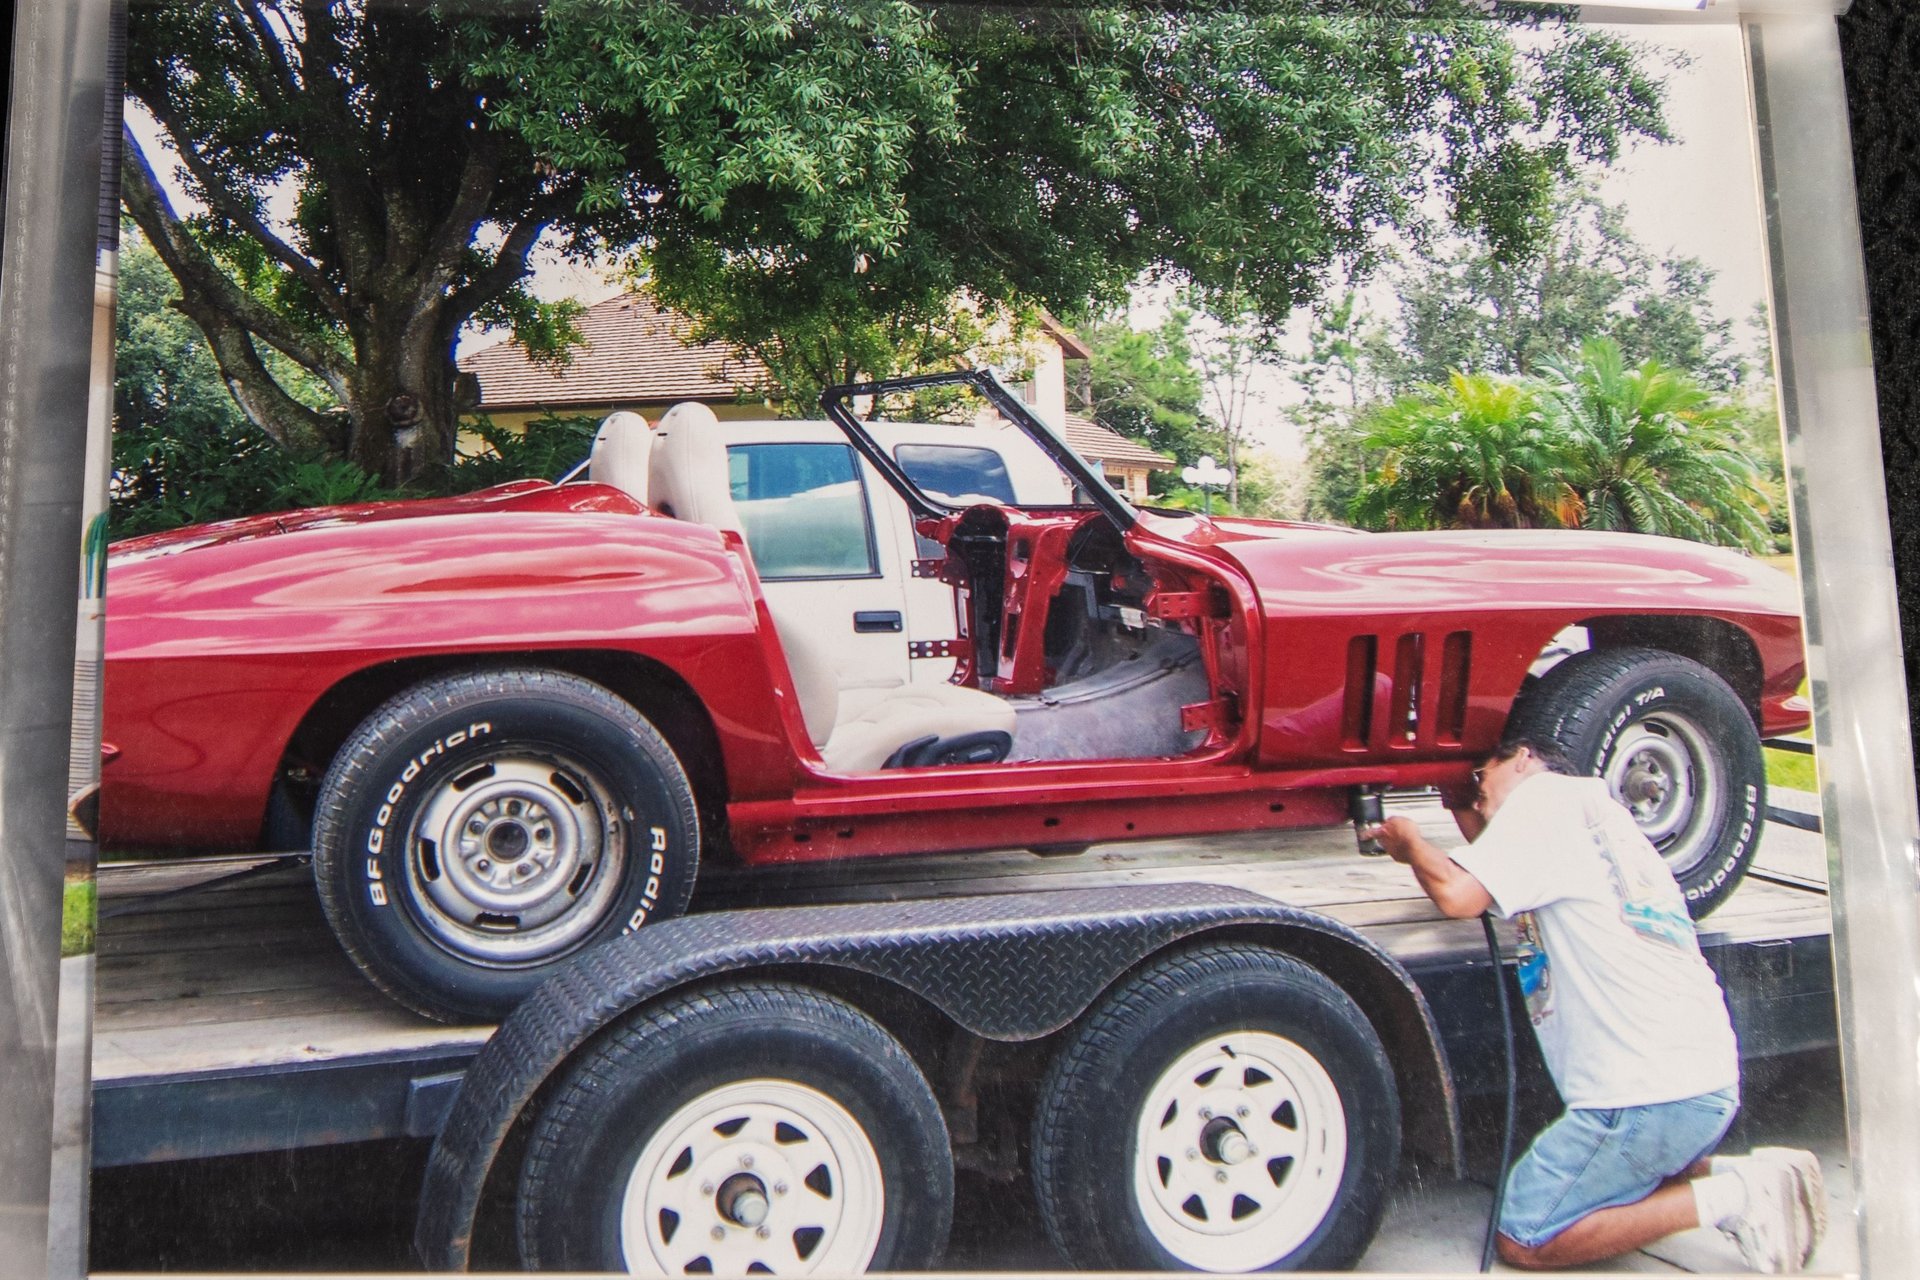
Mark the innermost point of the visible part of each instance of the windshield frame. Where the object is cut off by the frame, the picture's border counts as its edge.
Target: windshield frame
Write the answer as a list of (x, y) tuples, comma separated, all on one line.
[(837, 402)]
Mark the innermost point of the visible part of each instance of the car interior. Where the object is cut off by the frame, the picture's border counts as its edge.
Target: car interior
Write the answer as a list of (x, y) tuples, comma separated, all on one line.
[(1068, 660)]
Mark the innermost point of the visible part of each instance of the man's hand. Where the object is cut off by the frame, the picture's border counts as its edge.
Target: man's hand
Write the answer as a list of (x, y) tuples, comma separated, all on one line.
[(1399, 834), (1452, 887)]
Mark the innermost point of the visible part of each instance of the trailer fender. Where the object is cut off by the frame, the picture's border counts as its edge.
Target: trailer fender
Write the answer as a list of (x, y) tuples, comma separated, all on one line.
[(1007, 967)]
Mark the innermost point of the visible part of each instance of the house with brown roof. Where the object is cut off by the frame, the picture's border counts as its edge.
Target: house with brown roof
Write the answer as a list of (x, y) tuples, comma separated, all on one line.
[(636, 357)]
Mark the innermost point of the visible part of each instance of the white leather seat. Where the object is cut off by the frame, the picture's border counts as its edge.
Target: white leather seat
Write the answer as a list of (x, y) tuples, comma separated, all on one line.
[(920, 724), (622, 452), (687, 469)]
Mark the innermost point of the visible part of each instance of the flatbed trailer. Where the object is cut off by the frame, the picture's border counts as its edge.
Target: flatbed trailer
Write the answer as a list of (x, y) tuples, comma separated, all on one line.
[(228, 1021)]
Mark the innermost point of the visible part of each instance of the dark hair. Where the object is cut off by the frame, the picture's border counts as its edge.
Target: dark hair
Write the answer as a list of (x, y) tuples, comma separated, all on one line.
[(1547, 753)]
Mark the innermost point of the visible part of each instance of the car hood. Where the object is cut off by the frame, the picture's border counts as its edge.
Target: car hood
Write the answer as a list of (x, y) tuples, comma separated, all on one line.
[(1300, 570)]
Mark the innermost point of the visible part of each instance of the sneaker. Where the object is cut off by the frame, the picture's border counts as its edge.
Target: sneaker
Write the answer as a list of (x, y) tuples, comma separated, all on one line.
[(1772, 1232), (1810, 1188)]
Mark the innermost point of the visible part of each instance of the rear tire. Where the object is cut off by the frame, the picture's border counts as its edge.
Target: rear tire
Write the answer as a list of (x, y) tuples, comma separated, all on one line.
[(754, 1127), (1227, 1109), (1677, 748), (478, 831)]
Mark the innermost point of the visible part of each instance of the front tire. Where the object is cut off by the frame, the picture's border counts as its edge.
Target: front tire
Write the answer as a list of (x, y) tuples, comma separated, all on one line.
[(1675, 745), (478, 831), (764, 1128), (1229, 1109)]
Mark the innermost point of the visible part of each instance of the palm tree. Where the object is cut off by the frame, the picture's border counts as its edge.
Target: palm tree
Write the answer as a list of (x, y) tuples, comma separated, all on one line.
[(1650, 450), (1475, 453)]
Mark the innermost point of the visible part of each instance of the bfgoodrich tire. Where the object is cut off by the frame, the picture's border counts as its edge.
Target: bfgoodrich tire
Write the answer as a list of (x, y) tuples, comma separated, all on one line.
[(477, 831), (1676, 746), (762, 1127), (1227, 1109)]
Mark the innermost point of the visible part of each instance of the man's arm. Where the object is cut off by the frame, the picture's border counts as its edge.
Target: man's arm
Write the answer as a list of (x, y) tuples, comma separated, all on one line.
[(1454, 889)]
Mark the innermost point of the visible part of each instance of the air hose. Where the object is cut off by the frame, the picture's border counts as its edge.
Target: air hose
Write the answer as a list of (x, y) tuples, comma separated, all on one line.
[(1506, 1125)]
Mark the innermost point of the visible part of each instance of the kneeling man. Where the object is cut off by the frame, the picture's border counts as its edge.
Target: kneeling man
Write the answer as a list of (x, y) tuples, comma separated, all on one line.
[(1631, 1021)]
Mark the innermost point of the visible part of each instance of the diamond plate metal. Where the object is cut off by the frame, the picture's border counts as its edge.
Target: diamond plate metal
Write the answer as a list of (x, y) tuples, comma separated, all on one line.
[(1012, 966)]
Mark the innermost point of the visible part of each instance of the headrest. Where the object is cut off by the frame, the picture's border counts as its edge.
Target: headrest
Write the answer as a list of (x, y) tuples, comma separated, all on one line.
[(621, 451), (689, 479)]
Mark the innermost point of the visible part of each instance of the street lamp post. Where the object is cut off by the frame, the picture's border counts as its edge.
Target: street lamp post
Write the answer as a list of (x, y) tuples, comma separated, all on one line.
[(1208, 475)]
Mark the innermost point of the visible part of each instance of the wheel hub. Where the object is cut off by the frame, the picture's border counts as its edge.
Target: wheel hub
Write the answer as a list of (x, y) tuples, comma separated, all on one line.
[(1665, 772), (763, 1175), (1239, 1151), (514, 859)]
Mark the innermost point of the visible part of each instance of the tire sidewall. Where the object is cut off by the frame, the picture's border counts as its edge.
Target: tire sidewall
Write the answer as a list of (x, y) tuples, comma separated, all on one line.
[(907, 1133), (365, 852), (1239, 1001), (1662, 684)]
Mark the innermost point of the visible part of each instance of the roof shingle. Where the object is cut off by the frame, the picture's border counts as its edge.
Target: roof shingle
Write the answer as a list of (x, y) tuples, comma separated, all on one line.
[(1097, 444), (634, 353)]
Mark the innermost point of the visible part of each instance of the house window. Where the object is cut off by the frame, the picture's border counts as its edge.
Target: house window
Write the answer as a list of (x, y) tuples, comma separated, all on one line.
[(803, 509)]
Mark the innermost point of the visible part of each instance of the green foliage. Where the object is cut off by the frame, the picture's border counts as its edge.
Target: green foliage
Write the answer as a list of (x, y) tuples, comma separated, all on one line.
[(545, 449), (1470, 304), (1146, 386), (1591, 442), (822, 166), (1650, 450), (1475, 452)]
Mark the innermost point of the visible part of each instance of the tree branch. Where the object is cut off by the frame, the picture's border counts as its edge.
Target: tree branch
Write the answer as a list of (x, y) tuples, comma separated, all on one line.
[(509, 264), (479, 175), (351, 198), (229, 205), (206, 289)]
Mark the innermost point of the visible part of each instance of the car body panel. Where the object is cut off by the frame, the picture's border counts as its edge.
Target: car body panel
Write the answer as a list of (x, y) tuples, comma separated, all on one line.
[(225, 639)]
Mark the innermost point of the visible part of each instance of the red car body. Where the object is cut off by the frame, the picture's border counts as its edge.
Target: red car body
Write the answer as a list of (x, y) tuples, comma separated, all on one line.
[(240, 654)]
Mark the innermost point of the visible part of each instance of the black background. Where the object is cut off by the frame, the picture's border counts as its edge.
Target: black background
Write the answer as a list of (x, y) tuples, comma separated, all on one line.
[(1880, 41)]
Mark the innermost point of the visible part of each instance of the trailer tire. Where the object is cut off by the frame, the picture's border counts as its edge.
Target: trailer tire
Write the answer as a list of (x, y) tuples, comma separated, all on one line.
[(769, 1095), (1288, 1166), (1676, 746), (479, 830)]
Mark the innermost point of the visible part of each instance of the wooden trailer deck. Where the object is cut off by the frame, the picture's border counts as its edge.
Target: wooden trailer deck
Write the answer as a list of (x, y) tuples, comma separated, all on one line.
[(220, 985)]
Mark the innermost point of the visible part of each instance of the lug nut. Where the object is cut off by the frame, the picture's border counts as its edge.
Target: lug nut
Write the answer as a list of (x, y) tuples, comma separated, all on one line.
[(719, 1233), (1243, 1113), (1220, 1175), (779, 1188), (476, 827), (1206, 1113), (762, 1232), (706, 1188), (1193, 1153), (746, 1162)]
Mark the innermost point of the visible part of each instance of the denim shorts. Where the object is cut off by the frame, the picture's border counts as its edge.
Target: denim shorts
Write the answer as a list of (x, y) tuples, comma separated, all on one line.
[(1592, 1159)]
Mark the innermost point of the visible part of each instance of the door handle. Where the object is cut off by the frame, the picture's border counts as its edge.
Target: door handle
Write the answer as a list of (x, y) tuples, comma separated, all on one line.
[(867, 621)]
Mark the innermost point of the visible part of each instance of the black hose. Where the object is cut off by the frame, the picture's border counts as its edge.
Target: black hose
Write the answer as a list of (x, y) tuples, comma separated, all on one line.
[(1506, 1127)]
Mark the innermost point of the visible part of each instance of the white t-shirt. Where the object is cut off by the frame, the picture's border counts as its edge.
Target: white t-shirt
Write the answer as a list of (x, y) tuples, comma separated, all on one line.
[(1627, 1012)]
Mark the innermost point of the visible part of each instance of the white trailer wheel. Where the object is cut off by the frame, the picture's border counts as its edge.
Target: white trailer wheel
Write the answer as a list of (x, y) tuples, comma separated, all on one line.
[(1239, 1148), (765, 1176)]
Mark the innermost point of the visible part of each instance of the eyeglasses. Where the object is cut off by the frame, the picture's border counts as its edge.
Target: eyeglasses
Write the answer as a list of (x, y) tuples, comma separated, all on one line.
[(1479, 775)]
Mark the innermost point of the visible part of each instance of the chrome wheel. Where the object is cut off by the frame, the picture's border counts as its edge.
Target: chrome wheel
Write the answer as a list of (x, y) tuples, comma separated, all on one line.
[(1663, 769), (757, 1176), (516, 859), (1239, 1151)]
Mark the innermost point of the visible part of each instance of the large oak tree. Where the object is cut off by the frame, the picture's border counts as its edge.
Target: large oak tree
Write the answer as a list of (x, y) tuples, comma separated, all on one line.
[(374, 175)]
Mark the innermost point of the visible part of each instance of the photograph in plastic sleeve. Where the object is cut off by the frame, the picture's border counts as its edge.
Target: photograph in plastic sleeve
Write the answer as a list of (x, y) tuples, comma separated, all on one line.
[(963, 624)]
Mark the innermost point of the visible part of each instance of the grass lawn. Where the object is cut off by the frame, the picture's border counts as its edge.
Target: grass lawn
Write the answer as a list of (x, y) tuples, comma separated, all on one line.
[(76, 918), (1790, 769)]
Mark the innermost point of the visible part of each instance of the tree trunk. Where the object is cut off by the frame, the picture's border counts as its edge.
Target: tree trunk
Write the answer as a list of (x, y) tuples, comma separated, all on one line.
[(401, 401)]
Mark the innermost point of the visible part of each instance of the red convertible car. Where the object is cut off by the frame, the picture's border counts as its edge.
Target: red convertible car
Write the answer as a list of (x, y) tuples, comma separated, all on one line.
[(514, 723)]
